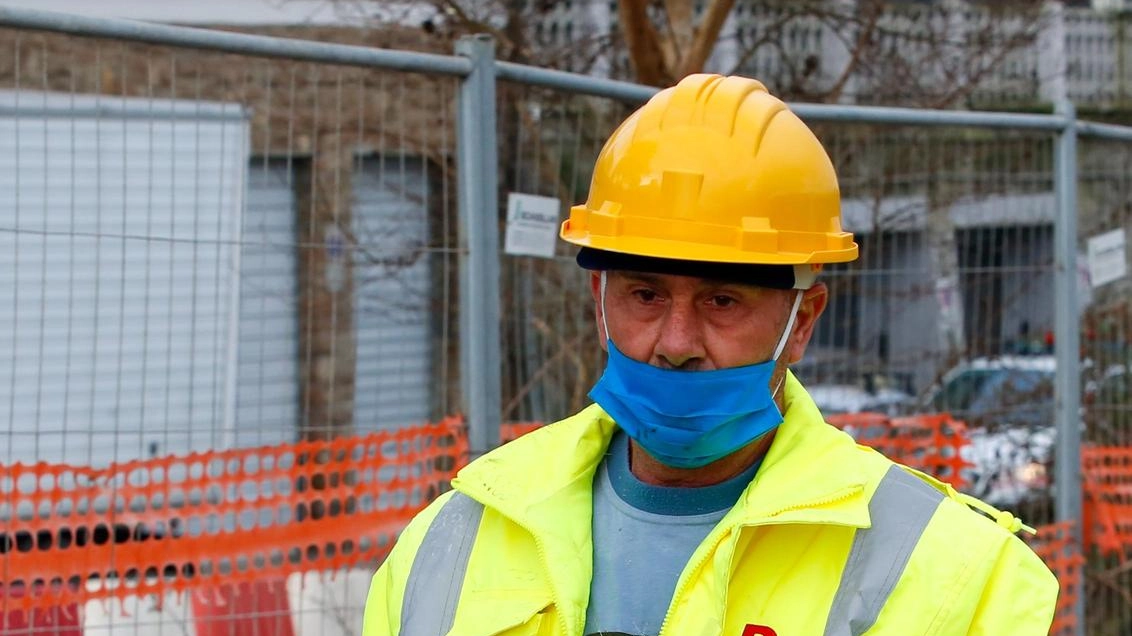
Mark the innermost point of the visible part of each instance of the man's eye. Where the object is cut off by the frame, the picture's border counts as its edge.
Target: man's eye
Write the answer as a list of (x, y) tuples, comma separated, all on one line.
[(645, 295), (723, 301)]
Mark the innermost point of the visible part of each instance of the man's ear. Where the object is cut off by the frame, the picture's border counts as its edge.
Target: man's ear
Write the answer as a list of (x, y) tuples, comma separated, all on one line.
[(814, 301)]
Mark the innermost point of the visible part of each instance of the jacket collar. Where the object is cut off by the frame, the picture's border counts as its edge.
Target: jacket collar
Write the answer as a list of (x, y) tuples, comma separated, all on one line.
[(810, 474), (543, 482)]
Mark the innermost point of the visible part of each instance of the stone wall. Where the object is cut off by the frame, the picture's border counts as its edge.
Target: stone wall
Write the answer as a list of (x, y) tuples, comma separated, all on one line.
[(291, 103)]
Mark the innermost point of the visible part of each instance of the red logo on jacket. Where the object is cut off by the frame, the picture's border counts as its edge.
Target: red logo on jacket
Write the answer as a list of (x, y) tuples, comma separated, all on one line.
[(758, 630)]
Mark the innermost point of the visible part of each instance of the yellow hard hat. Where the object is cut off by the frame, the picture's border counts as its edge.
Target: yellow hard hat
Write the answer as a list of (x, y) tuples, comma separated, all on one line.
[(714, 170)]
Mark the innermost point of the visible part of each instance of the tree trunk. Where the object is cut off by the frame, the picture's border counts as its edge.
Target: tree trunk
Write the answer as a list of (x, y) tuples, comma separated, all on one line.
[(681, 31), (706, 38), (643, 43)]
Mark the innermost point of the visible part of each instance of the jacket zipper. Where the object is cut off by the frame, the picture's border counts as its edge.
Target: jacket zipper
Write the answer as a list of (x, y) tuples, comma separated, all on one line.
[(683, 586), (839, 496), (545, 563)]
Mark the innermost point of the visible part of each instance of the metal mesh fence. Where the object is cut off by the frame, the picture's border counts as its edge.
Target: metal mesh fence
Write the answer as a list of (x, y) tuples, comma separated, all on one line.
[(949, 308), (1105, 204), (549, 141), (201, 252)]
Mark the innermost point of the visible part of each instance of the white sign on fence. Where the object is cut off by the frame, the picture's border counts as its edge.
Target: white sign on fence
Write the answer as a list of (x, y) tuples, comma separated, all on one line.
[(532, 225), (1107, 257)]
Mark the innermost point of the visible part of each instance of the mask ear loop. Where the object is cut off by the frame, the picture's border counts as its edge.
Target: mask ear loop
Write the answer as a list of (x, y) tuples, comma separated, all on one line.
[(781, 341), (604, 324), (786, 332)]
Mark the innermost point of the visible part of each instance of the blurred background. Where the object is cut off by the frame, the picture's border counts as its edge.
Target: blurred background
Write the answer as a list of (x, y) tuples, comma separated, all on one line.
[(236, 276)]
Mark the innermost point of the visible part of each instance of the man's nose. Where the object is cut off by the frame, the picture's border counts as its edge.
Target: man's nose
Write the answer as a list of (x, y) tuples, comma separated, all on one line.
[(680, 345)]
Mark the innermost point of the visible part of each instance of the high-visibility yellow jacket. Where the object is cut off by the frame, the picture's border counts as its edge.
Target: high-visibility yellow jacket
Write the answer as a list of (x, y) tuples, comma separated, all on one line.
[(829, 538)]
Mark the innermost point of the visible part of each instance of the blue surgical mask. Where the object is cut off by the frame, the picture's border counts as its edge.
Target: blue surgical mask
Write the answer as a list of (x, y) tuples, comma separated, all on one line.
[(688, 419)]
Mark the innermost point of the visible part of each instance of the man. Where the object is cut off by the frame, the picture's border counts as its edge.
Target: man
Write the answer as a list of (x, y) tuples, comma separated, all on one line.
[(703, 493)]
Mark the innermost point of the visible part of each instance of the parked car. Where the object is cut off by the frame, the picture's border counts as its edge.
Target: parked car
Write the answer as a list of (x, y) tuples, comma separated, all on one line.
[(1007, 403), (862, 393), (836, 399)]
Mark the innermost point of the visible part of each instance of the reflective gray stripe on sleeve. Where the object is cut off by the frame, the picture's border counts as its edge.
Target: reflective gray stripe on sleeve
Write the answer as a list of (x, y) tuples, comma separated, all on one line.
[(900, 509), (432, 590)]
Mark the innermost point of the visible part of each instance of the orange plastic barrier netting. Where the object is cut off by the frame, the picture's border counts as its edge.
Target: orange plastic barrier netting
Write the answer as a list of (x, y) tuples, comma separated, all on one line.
[(1054, 544), (179, 523), (219, 519), (929, 443), (1107, 474)]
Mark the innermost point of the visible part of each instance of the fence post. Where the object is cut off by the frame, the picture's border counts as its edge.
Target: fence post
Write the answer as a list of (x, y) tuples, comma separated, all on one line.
[(477, 169), (1067, 339)]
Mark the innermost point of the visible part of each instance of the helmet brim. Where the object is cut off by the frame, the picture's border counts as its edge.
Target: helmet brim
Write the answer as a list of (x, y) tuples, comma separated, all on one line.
[(770, 276)]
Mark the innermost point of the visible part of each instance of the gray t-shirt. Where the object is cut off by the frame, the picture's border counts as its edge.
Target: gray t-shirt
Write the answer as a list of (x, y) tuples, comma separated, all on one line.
[(643, 537)]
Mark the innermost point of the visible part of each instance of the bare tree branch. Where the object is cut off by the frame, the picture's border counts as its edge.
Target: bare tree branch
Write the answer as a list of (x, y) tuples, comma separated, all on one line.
[(857, 51), (770, 35), (643, 43), (467, 23), (681, 32), (706, 36), (973, 78)]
